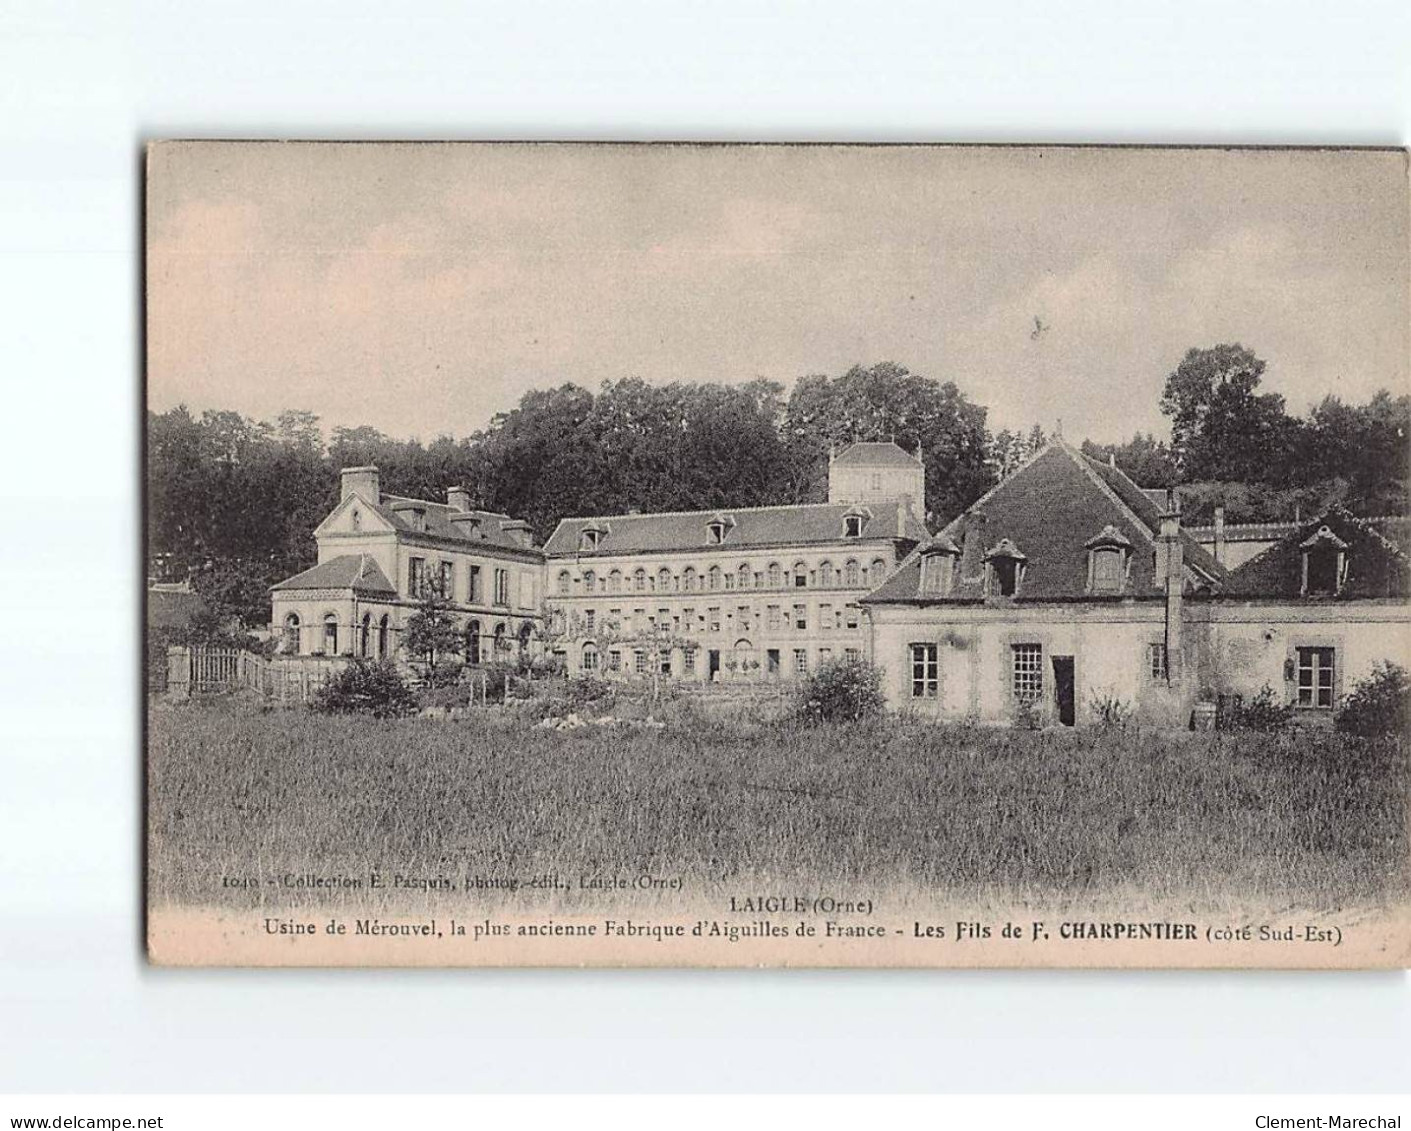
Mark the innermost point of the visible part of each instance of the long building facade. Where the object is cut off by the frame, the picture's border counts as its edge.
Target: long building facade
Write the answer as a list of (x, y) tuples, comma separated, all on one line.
[(740, 594)]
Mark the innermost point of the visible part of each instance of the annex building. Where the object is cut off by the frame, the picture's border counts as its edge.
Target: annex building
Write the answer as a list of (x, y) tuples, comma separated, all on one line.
[(1066, 591)]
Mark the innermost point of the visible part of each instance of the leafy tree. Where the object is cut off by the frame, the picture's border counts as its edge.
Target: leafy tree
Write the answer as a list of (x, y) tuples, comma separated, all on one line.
[(431, 631), (1221, 427), (1146, 460), (1380, 704)]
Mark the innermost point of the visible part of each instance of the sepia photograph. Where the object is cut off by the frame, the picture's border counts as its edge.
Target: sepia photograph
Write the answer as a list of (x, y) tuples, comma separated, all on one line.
[(776, 555)]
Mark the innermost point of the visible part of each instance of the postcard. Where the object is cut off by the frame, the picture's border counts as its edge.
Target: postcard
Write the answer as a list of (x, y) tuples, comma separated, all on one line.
[(777, 555)]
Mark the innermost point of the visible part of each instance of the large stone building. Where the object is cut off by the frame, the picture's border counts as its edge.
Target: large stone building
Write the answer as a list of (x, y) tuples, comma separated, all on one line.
[(1066, 590), (377, 553), (739, 593)]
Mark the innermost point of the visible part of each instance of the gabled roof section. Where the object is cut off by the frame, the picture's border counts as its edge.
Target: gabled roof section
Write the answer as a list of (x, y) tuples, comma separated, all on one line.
[(358, 572), (1377, 560), (869, 454), (492, 529), (1051, 507), (751, 528)]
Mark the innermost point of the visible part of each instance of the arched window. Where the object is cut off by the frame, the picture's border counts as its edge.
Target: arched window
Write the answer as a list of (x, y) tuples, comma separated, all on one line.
[(776, 575), (526, 634), (714, 577), (502, 643), (565, 582), (330, 635), (878, 572), (688, 579), (639, 579), (590, 579), (663, 580), (800, 574), (852, 573), (384, 627), (825, 574), (291, 634), (472, 642), (365, 635), (615, 581), (743, 575), (590, 657)]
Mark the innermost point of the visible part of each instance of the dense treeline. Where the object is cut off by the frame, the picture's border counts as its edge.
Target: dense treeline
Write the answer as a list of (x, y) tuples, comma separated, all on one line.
[(1234, 446), (233, 501)]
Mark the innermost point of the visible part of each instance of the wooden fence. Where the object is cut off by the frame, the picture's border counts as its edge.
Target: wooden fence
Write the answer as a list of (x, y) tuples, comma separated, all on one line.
[(204, 670)]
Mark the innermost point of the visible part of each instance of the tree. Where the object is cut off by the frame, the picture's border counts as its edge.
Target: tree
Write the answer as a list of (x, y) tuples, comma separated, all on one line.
[(1221, 428), (1145, 460), (432, 632)]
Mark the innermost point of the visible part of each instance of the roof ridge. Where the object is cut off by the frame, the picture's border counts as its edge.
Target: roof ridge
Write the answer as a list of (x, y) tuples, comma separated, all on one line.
[(705, 511), (1023, 465), (1087, 465)]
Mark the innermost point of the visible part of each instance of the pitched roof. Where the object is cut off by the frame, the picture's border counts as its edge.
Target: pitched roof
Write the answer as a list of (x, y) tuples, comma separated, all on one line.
[(1378, 564), (1049, 510), (358, 572), (492, 529), (871, 454), (745, 528)]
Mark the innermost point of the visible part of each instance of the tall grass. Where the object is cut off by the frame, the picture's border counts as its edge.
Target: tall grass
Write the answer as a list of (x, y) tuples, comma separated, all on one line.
[(1306, 820)]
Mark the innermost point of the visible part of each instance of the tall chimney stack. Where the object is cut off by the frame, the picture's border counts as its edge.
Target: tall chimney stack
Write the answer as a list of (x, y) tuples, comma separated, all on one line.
[(1220, 535), (458, 499), (1173, 557), (362, 481), (972, 544)]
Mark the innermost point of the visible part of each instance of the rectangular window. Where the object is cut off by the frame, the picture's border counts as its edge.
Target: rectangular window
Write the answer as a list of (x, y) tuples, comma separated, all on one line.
[(853, 654), (1028, 661), (850, 618), (729, 581), (1156, 661), (801, 661), (688, 620), (663, 620), (712, 620), (824, 655), (614, 661), (925, 671), (502, 587), (1315, 678), (477, 587), (639, 662), (590, 621), (664, 661), (448, 581), (688, 660), (771, 618), (416, 576), (825, 617), (742, 618), (801, 617), (526, 589)]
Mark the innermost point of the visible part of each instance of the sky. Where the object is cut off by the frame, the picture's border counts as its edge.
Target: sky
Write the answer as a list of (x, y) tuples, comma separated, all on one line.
[(422, 288)]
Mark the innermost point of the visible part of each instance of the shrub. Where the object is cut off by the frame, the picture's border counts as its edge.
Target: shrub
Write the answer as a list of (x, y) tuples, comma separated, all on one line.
[(1264, 713), (1379, 705), (495, 679), (443, 673), (841, 690), (587, 689), (366, 687), (1109, 712), (1028, 714)]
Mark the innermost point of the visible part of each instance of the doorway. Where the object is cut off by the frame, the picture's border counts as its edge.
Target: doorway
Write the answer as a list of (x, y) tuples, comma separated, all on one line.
[(712, 664), (1063, 689), (772, 660)]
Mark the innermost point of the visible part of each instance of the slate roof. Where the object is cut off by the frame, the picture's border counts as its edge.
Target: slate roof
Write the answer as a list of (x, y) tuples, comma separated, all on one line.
[(396, 509), (1378, 562), (870, 454), (747, 528), (358, 572), (1049, 509)]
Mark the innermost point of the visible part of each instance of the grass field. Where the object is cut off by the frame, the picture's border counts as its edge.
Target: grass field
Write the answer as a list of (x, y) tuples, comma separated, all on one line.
[(1196, 820)]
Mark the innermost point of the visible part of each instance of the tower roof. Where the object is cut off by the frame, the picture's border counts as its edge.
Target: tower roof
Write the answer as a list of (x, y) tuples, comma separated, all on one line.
[(870, 454)]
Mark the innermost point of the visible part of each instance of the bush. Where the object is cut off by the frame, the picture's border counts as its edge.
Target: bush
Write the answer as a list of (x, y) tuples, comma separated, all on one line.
[(588, 689), (366, 687), (496, 680), (1379, 705), (443, 673), (1109, 712), (1264, 713), (841, 690)]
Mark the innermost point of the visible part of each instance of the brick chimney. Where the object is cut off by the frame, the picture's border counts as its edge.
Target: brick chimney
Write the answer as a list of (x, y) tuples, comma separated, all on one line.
[(972, 544), (458, 498), (519, 532), (362, 481), (1170, 559)]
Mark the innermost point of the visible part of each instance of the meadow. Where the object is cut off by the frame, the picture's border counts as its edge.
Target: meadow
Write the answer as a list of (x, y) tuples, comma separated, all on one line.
[(1304, 819)]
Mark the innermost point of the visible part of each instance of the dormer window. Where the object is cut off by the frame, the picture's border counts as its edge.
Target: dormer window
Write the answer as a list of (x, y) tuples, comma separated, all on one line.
[(852, 523), (1109, 560), (938, 566), (417, 518), (1004, 569), (590, 538), (1324, 564), (717, 528)]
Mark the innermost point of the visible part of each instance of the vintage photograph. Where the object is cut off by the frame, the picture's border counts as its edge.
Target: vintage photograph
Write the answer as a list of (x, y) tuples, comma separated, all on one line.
[(787, 555)]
